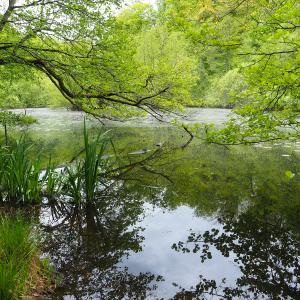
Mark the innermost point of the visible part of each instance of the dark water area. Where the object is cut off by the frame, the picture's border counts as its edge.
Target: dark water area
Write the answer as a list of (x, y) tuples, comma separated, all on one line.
[(203, 222)]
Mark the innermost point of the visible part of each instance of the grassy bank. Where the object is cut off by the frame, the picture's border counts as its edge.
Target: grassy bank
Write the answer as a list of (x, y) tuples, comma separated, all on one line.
[(20, 268)]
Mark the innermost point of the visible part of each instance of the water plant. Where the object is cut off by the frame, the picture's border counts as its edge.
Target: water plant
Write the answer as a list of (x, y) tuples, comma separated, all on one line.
[(82, 177), (94, 152), (53, 180), (3, 159), (74, 181), (21, 181)]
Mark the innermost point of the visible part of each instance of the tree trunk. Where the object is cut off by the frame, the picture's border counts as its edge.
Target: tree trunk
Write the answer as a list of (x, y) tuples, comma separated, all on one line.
[(7, 14)]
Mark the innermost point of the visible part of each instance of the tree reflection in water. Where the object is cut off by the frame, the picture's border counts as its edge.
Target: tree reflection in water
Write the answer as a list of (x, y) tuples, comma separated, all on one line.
[(257, 207), (266, 249), (87, 243)]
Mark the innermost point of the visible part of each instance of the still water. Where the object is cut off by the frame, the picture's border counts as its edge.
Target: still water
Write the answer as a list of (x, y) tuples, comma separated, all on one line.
[(203, 222)]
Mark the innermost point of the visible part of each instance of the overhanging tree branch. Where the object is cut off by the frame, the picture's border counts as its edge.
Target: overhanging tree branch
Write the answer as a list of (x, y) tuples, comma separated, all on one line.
[(7, 14)]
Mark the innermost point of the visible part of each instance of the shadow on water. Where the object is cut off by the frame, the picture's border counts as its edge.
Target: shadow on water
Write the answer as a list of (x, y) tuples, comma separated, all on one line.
[(87, 242), (264, 248), (199, 225)]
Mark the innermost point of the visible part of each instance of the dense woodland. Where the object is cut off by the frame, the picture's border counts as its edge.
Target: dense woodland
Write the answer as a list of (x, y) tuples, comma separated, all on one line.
[(109, 60), (74, 194)]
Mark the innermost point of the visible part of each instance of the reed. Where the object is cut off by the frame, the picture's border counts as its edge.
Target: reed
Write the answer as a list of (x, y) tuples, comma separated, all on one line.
[(52, 180), (20, 174), (3, 163), (21, 181), (94, 151), (74, 181)]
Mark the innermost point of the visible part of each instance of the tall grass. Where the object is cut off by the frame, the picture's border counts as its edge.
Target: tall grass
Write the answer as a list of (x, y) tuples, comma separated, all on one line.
[(94, 150), (3, 162), (20, 174), (17, 250), (82, 177), (74, 181), (52, 180)]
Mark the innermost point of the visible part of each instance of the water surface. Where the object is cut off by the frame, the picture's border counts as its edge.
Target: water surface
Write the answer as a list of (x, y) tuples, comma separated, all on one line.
[(203, 222)]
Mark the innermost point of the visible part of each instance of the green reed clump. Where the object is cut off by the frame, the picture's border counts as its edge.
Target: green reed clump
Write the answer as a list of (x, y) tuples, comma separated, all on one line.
[(74, 181), (3, 163), (17, 251), (83, 176), (94, 151), (52, 180), (20, 179)]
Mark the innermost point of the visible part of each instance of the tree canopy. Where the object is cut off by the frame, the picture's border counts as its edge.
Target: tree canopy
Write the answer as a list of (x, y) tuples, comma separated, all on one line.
[(92, 56), (109, 61), (261, 39)]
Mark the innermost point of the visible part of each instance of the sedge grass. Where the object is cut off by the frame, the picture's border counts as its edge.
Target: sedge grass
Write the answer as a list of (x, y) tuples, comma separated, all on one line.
[(94, 151), (17, 251), (20, 178)]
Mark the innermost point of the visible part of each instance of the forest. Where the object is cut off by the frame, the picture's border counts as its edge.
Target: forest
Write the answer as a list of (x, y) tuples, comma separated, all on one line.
[(141, 141)]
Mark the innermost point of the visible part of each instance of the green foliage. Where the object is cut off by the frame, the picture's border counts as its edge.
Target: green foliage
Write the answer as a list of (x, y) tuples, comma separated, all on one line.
[(26, 92), (17, 250), (53, 180), (23, 182), (138, 17), (74, 181), (20, 180), (289, 174), (8, 118), (21, 87), (103, 70), (92, 161), (261, 39), (83, 176), (165, 61), (188, 52), (227, 91)]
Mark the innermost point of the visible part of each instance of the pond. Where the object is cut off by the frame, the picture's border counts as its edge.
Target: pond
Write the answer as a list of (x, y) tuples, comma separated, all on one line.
[(200, 222)]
